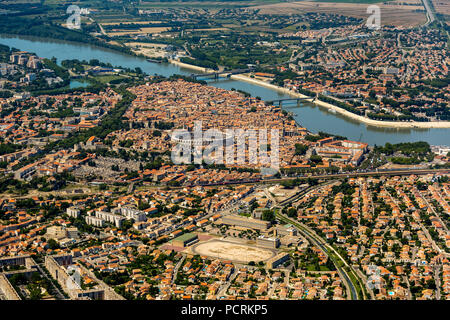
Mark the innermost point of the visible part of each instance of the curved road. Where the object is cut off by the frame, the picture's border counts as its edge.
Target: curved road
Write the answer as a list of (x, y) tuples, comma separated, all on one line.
[(430, 14), (321, 246)]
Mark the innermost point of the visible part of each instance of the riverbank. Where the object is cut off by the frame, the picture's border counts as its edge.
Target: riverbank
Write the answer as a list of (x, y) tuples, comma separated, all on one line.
[(190, 66), (313, 117), (329, 106), (368, 121)]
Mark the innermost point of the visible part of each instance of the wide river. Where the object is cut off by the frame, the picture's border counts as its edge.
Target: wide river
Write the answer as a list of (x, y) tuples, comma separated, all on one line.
[(312, 117)]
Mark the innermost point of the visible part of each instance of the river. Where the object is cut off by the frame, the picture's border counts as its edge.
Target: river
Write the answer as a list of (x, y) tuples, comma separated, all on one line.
[(308, 115)]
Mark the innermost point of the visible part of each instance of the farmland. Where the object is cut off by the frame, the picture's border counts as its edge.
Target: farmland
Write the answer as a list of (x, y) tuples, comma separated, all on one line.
[(397, 13)]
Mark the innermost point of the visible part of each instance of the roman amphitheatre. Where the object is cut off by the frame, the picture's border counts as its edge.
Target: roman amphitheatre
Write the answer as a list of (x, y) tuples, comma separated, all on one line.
[(232, 251)]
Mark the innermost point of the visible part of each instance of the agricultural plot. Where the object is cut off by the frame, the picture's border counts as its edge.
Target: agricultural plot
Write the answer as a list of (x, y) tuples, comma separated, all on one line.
[(397, 13)]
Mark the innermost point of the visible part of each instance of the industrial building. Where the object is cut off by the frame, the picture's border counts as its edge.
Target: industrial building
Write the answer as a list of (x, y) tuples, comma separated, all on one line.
[(277, 260), (266, 242), (241, 221), (185, 240)]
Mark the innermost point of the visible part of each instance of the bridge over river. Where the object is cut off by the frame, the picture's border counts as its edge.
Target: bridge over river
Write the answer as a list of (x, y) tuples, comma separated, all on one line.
[(217, 74), (279, 102)]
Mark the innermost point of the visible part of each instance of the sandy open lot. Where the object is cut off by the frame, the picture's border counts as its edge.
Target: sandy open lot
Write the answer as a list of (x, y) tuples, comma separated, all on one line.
[(398, 13), (152, 50), (232, 251)]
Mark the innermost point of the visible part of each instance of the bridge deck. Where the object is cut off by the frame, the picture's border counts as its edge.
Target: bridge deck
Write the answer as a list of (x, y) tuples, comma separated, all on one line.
[(218, 73)]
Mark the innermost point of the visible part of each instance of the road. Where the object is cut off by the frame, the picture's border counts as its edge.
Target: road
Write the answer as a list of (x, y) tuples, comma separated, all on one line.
[(437, 280), (102, 31), (430, 14), (405, 279), (223, 290), (175, 271)]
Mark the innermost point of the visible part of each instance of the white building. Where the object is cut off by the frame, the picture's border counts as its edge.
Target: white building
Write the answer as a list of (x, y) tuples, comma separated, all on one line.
[(73, 212), (93, 221)]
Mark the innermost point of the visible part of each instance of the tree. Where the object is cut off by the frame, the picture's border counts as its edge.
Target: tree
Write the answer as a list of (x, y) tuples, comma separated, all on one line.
[(35, 292), (52, 244), (268, 215), (315, 159), (292, 212), (126, 224), (330, 265), (312, 181), (300, 149), (253, 206), (143, 205)]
